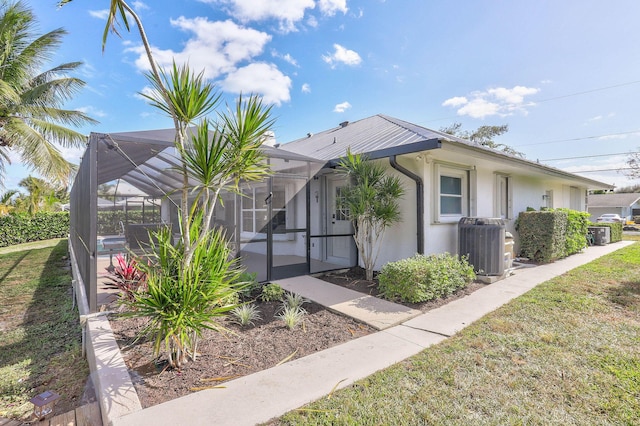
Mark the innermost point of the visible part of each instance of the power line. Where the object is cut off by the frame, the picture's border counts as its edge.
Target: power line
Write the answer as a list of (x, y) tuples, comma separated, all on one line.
[(591, 156), (579, 139), (604, 170), (588, 91)]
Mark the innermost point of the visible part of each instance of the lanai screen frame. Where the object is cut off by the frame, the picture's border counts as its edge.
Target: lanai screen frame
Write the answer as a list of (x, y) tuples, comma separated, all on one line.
[(141, 159)]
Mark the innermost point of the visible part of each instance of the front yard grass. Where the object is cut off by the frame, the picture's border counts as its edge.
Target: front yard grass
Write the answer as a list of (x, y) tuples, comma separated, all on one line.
[(39, 331), (565, 353)]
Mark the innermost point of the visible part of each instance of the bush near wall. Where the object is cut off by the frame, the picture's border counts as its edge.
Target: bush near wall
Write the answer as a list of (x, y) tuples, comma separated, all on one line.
[(109, 221), (615, 230), (542, 235), (19, 228), (577, 228), (422, 278), (552, 234)]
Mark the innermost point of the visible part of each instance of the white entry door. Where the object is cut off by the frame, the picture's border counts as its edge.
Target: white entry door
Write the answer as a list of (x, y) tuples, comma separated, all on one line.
[(339, 249)]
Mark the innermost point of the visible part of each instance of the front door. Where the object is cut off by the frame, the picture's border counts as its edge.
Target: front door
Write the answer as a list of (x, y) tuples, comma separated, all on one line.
[(339, 247)]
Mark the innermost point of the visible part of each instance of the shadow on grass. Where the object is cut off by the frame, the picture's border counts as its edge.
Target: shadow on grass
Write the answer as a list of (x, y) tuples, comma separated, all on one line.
[(40, 348), (626, 294)]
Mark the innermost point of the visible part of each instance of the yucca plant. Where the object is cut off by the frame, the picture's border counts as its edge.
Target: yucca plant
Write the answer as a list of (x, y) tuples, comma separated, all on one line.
[(294, 301), (291, 316), (181, 302), (246, 314)]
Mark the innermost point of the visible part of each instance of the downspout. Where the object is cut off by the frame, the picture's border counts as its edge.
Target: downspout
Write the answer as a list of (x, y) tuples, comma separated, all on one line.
[(419, 200)]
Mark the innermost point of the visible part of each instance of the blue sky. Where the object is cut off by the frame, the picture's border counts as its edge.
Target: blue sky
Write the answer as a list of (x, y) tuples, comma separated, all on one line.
[(564, 75)]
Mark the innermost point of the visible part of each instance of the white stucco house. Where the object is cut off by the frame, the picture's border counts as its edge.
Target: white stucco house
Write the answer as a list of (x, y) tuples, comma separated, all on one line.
[(289, 225), (626, 205)]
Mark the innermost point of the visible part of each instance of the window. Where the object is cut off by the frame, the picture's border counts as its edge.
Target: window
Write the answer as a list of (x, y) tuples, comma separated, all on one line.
[(574, 202), (255, 209), (342, 212), (452, 198), (503, 197)]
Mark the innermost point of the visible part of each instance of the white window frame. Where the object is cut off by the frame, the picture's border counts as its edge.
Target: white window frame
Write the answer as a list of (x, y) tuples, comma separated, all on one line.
[(462, 173), (258, 207), (503, 196)]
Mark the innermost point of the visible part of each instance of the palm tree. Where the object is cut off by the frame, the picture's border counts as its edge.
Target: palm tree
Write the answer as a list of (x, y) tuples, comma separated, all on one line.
[(32, 120), (6, 202), (370, 202)]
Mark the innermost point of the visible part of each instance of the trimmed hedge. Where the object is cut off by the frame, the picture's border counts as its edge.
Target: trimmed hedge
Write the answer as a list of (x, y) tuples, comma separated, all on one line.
[(615, 230), (422, 278), (577, 224), (542, 235), (552, 234), (19, 228)]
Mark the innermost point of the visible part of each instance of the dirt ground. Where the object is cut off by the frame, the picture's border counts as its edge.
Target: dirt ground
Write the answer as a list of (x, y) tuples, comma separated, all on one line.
[(223, 357), (246, 350), (354, 279)]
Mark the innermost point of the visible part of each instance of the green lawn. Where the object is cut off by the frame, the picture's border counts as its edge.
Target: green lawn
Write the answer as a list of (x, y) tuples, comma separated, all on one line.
[(565, 353), (39, 330)]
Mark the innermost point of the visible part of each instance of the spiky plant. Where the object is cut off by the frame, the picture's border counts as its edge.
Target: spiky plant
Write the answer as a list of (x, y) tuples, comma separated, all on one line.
[(246, 315)]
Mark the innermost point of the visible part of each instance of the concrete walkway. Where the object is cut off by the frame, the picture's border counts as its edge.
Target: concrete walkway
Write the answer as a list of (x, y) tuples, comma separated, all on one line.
[(270, 393), (378, 313)]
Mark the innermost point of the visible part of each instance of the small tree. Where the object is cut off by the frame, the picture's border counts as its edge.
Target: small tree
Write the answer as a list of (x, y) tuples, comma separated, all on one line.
[(371, 200), (483, 135)]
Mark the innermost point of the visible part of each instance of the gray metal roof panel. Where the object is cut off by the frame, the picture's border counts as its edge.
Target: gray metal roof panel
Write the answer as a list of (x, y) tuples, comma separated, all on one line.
[(380, 133), (613, 200)]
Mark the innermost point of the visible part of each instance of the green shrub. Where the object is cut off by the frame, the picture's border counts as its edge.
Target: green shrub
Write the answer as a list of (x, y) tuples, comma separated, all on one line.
[(422, 278), (615, 230), (576, 231), (271, 292), (247, 284), (22, 228), (542, 235)]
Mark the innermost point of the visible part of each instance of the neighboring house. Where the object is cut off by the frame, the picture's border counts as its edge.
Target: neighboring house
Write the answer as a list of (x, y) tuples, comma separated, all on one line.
[(289, 225), (627, 205)]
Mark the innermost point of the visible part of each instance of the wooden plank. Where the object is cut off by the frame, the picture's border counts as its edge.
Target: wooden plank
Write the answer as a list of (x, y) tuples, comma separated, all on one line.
[(66, 419), (88, 415)]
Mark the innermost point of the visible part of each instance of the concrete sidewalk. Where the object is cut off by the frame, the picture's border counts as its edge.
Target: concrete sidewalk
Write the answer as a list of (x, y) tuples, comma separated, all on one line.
[(270, 393)]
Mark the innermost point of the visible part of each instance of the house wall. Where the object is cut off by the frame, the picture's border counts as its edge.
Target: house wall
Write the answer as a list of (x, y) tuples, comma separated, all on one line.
[(527, 191), (400, 240)]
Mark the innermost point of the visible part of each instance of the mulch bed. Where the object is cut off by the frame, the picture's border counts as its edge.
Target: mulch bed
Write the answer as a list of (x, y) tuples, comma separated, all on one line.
[(223, 357), (246, 350)]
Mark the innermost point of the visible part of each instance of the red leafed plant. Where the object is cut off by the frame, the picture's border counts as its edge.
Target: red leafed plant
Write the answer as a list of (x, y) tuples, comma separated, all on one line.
[(127, 277)]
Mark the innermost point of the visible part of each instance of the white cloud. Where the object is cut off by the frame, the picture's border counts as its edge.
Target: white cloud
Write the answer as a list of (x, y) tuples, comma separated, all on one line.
[(286, 12), (306, 88), (264, 79), (512, 96), (330, 7), (312, 22), (216, 48), (138, 5), (286, 57), (100, 14), (92, 111), (342, 55), (342, 107), (455, 101), (498, 101)]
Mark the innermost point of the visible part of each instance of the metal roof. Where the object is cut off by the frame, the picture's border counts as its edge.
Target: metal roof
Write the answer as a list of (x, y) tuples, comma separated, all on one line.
[(148, 159), (382, 136), (613, 200)]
